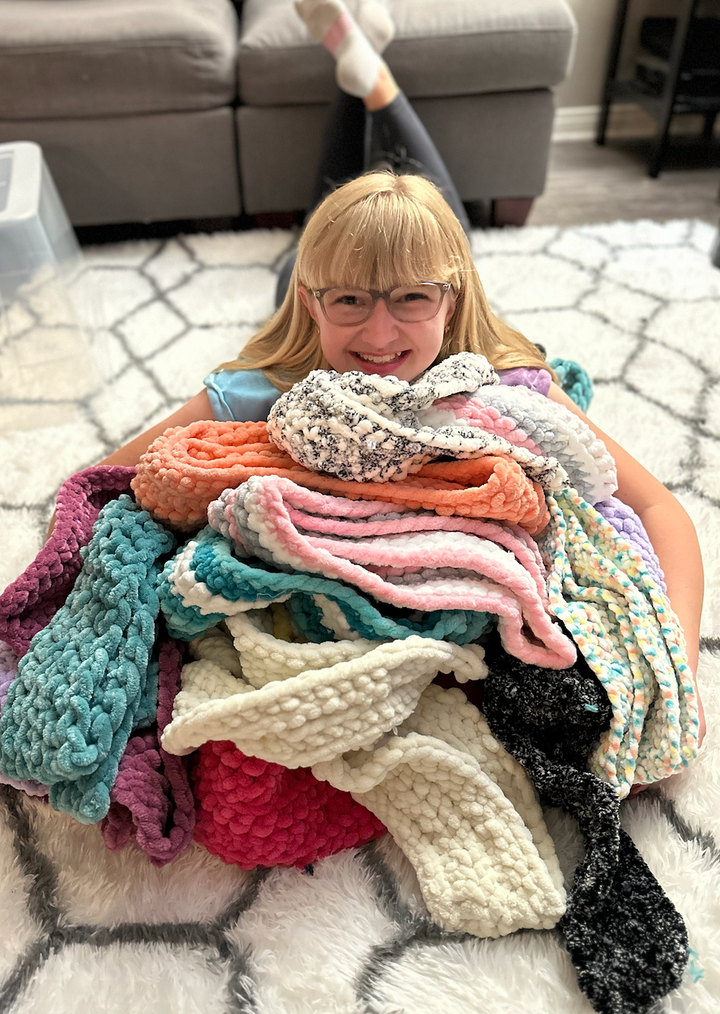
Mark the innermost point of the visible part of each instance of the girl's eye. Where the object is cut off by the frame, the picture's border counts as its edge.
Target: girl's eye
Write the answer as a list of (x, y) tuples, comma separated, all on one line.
[(339, 297), (411, 296)]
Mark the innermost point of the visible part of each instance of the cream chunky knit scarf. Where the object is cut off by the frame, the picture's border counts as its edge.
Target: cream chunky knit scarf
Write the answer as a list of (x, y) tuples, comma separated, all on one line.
[(365, 717)]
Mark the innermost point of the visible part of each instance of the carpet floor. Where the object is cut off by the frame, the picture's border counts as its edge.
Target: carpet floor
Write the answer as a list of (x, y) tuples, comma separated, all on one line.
[(638, 304)]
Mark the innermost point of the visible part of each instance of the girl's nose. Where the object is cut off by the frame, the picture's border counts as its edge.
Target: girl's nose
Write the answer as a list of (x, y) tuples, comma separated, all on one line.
[(381, 327)]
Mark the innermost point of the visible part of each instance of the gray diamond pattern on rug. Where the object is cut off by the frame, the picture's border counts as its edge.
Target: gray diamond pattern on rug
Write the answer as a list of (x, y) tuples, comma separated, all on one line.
[(638, 304)]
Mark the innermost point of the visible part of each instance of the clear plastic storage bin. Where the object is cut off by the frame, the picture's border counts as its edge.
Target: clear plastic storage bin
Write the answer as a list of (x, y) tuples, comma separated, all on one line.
[(49, 360)]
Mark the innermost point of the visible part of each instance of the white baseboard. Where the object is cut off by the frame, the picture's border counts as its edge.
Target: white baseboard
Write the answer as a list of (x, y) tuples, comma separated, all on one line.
[(579, 123)]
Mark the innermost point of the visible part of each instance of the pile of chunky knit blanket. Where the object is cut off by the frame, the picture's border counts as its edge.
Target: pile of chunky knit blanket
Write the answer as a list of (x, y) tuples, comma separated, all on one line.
[(413, 607)]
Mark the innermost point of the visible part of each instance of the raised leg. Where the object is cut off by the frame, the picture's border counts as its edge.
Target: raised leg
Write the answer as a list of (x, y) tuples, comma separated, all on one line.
[(342, 156), (399, 140)]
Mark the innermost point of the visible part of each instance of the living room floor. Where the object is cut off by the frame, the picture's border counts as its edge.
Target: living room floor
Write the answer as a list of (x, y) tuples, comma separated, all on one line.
[(587, 183)]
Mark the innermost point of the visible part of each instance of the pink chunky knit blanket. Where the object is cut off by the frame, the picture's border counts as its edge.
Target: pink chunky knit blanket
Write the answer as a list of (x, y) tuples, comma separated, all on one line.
[(413, 561), (252, 811)]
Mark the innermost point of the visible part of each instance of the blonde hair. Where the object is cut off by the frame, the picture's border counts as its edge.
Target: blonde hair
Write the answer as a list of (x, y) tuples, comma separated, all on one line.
[(374, 232)]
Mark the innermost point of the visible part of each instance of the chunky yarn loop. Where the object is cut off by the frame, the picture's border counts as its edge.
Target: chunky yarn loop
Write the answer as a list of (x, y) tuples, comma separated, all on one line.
[(30, 602), (529, 419), (152, 803), (252, 812), (205, 583), (419, 757), (413, 562), (575, 381), (626, 939)]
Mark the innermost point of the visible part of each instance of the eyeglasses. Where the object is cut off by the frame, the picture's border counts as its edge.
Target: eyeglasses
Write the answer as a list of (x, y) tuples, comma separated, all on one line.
[(407, 303)]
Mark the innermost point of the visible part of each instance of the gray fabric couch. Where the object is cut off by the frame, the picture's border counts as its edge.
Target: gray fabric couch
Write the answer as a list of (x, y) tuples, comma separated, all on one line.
[(150, 110)]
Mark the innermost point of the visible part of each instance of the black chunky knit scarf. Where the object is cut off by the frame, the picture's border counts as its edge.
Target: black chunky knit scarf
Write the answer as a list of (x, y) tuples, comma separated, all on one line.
[(625, 938)]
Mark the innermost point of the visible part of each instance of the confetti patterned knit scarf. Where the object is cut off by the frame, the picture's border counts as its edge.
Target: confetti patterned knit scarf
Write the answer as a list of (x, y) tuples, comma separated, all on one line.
[(88, 678), (623, 624), (415, 561), (368, 428), (188, 467)]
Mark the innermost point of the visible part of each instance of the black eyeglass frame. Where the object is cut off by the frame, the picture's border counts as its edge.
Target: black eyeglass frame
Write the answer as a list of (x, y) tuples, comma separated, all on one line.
[(376, 294)]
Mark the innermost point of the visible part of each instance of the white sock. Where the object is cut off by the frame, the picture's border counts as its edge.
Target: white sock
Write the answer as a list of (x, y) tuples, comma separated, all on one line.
[(357, 63), (374, 20)]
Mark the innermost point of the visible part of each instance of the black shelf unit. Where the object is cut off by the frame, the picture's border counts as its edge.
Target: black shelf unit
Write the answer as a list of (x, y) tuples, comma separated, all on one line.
[(671, 82)]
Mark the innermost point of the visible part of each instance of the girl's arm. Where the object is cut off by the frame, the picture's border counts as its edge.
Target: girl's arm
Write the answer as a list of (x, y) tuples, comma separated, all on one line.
[(670, 531)]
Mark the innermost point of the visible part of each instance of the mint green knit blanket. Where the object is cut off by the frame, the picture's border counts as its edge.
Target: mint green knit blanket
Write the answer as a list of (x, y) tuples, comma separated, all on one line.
[(88, 678)]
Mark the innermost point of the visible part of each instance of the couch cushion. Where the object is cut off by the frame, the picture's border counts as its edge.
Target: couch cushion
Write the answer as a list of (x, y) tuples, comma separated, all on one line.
[(73, 58), (441, 48)]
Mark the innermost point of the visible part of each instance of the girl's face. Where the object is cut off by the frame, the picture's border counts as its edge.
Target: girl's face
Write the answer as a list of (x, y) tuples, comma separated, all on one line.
[(382, 344)]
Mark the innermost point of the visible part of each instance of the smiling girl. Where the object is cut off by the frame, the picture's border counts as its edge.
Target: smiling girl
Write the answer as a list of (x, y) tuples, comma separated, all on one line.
[(385, 283)]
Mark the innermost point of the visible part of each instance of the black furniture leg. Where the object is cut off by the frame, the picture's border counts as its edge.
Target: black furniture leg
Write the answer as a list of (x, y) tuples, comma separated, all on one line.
[(686, 14), (657, 152), (612, 69)]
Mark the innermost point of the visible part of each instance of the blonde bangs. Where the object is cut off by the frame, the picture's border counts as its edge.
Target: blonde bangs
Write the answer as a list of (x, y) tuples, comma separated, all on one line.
[(390, 238)]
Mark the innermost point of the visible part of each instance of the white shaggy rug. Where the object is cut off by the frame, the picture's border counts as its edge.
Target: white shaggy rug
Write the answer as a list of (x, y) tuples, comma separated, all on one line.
[(638, 304)]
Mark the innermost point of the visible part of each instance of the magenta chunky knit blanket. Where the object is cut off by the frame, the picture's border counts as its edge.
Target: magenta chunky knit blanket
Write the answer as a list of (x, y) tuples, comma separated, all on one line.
[(30, 602), (151, 801)]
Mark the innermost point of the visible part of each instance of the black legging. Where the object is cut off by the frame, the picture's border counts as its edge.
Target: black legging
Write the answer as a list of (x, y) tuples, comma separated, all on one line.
[(357, 140)]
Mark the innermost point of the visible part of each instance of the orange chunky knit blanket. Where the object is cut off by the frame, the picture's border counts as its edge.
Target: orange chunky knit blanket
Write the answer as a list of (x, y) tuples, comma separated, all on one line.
[(187, 468)]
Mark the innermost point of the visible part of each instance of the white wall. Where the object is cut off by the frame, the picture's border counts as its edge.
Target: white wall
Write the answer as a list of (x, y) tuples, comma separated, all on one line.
[(584, 85)]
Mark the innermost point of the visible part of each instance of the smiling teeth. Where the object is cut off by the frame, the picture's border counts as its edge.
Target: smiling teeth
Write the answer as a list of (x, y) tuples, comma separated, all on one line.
[(379, 359)]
